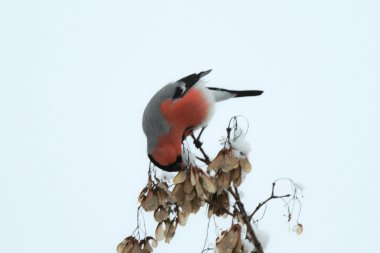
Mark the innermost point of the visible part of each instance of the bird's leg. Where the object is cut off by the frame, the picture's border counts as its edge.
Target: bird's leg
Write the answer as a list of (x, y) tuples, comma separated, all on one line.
[(198, 145), (197, 142), (201, 132)]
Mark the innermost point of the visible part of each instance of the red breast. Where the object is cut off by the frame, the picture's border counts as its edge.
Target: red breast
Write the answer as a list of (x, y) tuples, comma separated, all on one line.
[(189, 111)]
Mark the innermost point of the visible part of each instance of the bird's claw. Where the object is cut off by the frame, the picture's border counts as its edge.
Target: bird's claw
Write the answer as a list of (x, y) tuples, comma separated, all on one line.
[(198, 144)]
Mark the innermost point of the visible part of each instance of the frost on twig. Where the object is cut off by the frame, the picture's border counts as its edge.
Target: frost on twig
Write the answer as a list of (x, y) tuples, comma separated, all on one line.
[(171, 200)]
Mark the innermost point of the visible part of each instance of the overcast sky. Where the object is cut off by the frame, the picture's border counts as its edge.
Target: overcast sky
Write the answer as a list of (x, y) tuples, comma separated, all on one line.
[(75, 77)]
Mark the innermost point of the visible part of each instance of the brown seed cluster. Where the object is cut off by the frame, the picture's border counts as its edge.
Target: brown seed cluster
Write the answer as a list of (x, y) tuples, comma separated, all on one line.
[(219, 205), (228, 169), (132, 245), (154, 196), (230, 240), (192, 189), (157, 198)]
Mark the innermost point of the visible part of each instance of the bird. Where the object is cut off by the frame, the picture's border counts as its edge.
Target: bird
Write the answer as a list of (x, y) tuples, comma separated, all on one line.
[(175, 111)]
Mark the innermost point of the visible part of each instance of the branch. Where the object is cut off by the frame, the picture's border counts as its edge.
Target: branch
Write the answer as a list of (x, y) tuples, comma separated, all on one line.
[(272, 196), (244, 216)]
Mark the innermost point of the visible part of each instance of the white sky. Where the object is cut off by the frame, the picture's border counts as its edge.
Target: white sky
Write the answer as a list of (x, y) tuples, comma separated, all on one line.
[(75, 77)]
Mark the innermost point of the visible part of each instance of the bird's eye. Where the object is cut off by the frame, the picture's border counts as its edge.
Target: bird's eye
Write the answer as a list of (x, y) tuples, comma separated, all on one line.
[(178, 92), (183, 88)]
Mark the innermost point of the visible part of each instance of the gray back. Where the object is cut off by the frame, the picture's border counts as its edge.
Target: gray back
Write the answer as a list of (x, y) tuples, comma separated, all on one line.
[(154, 124)]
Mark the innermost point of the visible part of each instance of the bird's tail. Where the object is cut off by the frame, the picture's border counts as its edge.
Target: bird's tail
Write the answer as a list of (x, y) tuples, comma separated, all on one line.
[(223, 94)]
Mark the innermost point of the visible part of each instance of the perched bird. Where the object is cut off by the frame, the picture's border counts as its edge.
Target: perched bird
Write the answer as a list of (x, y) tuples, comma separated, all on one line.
[(175, 111)]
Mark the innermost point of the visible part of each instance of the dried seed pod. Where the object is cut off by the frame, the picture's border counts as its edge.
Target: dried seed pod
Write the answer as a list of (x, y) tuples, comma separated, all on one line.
[(207, 183), (126, 245), (161, 196), (150, 202), (178, 195), (227, 241), (227, 180), (187, 186), (154, 243), (223, 199), (230, 162), (239, 246), (167, 226), (168, 238), (236, 176), (194, 176), (147, 248), (180, 177), (190, 196), (207, 195), (173, 227), (220, 203), (171, 231), (199, 189), (137, 248), (170, 199), (142, 194), (218, 161), (224, 161), (160, 233), (245, 165), (196, 204), (161, 214), (163, 186), (298, 229), (223, 181), (186, 207), (182, 218)]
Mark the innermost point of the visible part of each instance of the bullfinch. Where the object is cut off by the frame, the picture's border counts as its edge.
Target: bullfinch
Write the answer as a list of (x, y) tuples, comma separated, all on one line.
[(175, 111)]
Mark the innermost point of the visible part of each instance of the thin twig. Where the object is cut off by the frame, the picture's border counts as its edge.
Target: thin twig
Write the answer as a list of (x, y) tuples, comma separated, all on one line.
[(272, 196), (208, 226)]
